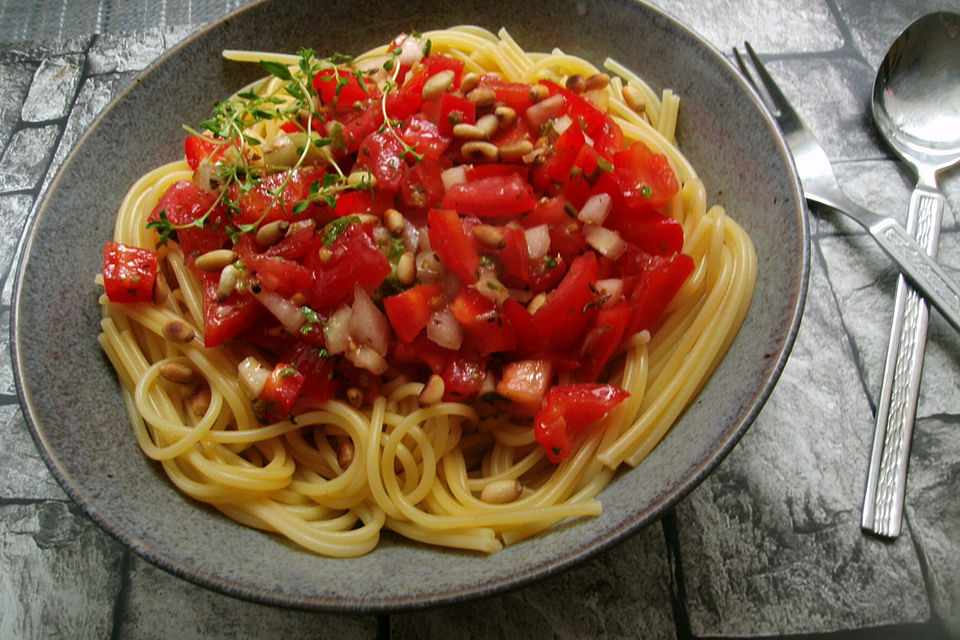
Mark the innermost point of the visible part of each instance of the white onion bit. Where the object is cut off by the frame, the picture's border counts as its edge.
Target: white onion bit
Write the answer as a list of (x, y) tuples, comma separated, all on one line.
[(596, 209), (607, 242)]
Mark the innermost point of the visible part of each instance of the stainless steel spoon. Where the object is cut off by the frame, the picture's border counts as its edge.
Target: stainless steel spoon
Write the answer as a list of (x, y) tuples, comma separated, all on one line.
[(916, 106)]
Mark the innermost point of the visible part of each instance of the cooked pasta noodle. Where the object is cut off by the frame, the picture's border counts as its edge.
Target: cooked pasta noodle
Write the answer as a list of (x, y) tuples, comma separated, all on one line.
[(419, 470)]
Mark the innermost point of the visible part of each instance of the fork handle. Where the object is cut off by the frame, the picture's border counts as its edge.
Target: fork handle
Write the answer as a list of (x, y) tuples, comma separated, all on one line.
[(897, 407)]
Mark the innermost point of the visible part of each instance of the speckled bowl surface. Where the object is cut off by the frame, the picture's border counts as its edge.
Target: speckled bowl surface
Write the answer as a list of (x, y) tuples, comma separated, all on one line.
[(70, 394)]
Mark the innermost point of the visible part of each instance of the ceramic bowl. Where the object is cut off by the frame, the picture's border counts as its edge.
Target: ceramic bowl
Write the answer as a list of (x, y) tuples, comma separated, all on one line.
[(70, 395)]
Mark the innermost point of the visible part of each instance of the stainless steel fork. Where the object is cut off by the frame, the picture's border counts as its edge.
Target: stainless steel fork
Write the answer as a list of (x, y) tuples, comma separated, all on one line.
[(820, 185)]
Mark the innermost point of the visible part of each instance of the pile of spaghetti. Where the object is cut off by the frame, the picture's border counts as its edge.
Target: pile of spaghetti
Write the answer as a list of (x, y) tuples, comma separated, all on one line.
[(445, 288)]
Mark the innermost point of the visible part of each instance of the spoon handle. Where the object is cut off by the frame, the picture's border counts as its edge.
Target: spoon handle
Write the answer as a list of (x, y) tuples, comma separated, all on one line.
[(897, 406)]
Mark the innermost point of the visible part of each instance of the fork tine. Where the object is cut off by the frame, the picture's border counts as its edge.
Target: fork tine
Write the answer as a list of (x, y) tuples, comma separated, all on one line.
[(748, 74), (787, 117)]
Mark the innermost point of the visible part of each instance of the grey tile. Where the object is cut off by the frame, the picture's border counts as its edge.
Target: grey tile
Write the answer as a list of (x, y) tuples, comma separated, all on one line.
[(24, 161), (159, 605), (115, 52), (875, 25), (622, 593), (15, 80), (60, 573), (14, 210), (771, 26), (51, 92), (771, 541), (23, 475)]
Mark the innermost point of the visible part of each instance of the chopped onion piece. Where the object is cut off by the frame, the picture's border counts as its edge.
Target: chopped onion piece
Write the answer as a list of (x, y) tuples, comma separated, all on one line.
[(562, 123), (610, 289), (411, 50), (429, 267), (488, 285), (538, 240), (336, 332), (253, 375), (411, 237), (607, 242), (289, 314), (452, 176), (596, 209), (598, 98), (366, 358), (368, 325), (444, 330), (538, 114)]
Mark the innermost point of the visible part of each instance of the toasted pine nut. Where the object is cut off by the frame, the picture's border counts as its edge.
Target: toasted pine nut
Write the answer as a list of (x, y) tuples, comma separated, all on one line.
[(354, 396), (361, 179), (576, 83), (177, 372), (200, 401), (345, 452), (536, 302), (432, 391), (227, 283), (406, 268), (515, 149), (488, 124), (478, 151), (538, 92), (464, 131), (489, 236), (501, 491), (270, 234), (394, 221), (160, 289), (633, 98), (506, 116), (454, 118), (215, 260), (469, 82), (482, 96), (324, 254), (176, 331), (437, 84), (597, 81)]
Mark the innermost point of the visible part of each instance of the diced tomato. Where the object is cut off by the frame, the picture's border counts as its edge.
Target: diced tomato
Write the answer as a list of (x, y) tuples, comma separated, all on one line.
[(280, 275), (652, 232), (450, 110), (651, 291), (568, 309), (128, 272), (409, 311), (401, 105), (319, 382), (606, 135), (569, 411), (514, 258), (229, 318), (351, 203), (547, 272), (491, 197), (424, 351), (552, 211), (529, 339), (462, 379), (341, 88), (436, 63), (198, 148), (483, 324), (354, 258), (261, 204), (524, 383), (354, 128), (183, 203), (515, 95), (279, 393), (422, 187), (294, 245), (603, 339), (451, 244), (424, 136), (382, 155), (642, 178)]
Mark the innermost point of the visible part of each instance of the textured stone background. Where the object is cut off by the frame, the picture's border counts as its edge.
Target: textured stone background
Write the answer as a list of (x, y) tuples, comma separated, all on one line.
[(769, 545)]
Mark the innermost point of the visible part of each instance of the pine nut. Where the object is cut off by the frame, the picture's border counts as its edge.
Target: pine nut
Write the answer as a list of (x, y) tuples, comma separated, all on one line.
[(536, 302), (160, 289), (345, 452), (597, 81), (176, 331), (227, 283), (489, 236), (482, 96), (200, 401), (324, 254), (270, 234), (361, 179), (355, 397), (469, 82), (466, 131), (501, 491), (394, 221), (215, 260), (538, 92), (432, 391), (406, 268), (488, 124), (478, 151), (576, 83), (515, 149), (633, 98), (505, 115), (437, 84), (177, 372)]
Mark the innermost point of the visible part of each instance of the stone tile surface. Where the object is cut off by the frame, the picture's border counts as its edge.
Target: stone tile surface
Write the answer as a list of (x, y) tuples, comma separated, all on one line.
[(24, 161), (622, 593), (15, 77), (23, 474), (52, 90)]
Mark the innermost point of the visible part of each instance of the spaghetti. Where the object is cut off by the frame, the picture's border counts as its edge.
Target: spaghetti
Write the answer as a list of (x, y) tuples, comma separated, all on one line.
[(332, 473)]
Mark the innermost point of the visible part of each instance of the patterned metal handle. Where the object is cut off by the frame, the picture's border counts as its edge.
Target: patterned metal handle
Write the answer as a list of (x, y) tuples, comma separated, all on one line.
[(897, 407)]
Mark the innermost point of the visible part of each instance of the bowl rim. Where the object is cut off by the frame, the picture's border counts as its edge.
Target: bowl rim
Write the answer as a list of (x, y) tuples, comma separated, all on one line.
[(335, 604)]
